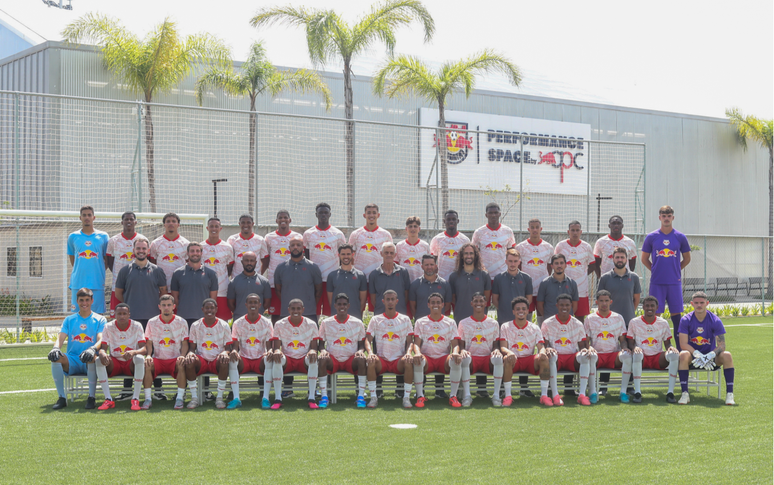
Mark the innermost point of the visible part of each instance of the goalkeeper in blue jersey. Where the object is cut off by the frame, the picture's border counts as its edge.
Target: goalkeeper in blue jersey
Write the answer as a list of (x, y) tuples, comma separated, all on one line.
[(86, 250)]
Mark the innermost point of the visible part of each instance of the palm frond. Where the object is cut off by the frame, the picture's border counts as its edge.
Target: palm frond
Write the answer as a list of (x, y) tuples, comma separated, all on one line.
[(302, 81), (218, 78), (406, 74), (381, 23), (751, 127)]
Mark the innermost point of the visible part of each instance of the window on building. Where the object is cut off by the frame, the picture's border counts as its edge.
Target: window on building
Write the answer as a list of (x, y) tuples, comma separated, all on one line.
[(36, 261), (12, 262)]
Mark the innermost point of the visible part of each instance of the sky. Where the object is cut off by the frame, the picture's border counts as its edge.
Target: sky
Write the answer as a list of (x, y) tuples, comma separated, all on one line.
[(680, 56)]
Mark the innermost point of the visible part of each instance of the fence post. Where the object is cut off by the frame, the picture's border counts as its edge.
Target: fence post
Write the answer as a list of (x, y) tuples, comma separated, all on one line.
[(705, 265), (139, 155), (17, 162), (588, 186), (521, 186), (439, 160), (763, 276)]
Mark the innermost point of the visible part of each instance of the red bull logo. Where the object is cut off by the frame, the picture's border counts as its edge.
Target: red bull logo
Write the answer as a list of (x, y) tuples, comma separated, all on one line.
[(252, 341), (535, 262), (563, 342), (520, 346), (121, 349), (457, 143), (478, 339), (411, 261), (283, 252), (666, 253), (88, 254), (323, 247), (211, 261), (369, 248), (605, 335), (557, 160), (296, 344), (574, 263), (167, 342), (699, 340), (170, 257), (342, 341), (127, 256), (650, 342), (435, 338), (451, 253), (208, 345), (390, 336), (494, 246), (82, 337)]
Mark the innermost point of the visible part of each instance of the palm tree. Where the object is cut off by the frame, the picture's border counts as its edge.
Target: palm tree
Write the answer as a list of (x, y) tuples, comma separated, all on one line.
[(760, 131), (147, 66), (258, 76), (329, 37), (406, 74)]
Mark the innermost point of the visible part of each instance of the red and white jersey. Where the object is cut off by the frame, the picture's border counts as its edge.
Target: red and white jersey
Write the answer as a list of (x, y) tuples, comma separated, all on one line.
[(217, 257), (579, 258), (521, 341), (122, 250), (650, 337), (210, 341), (479, 337), (436, 335), (121, 341), (254, 243), (169, 254), (563, 336), (534, 261), (447, 249), (410, 256), (278, 247), (323, 246), (166, 337), (295, 340), (252, 336), (368, 246), (603, 332), (604, 249), (390, 335), (341, 338), (492, 244)]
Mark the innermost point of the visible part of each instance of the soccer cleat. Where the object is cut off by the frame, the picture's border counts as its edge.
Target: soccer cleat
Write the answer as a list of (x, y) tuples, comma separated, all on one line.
[(583, 400), (160, 396), (399, 393), (467, 401), (670, 398), (373, 402), (603, 391), (625, 398), (379, 394), (312, 404), (179, 404), (637, 398), (558, 401), (407, 402), (730, 399), (208, 396), (288, 394), (193, 404), (360, 402), (220, 403), (230, 396), (685, 398), (441, 394), (496, 402), (421, 402), (454, 402), (125, 395), (482, 393), (234, 403), (146, 404), (265, 404), (525, 393), (323, 402), (507, 401), (91, 403), (108, 404), (546, 401), (60, 403), (594, 398), (135, 405), (276, 405)]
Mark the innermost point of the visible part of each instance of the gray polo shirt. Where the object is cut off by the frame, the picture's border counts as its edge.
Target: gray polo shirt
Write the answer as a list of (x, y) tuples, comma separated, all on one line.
[(351, 283), (141, 289), (421, 289), (509, 287), (463, 286), (298, 280), (194, 286), (622, 290), (379, 282), (243, 285), (550, 288)]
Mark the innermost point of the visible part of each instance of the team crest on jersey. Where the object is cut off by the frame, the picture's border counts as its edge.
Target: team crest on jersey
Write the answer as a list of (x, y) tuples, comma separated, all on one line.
[(88, 243), (83, 326), (458, 142), (700, 329), (666, 242)]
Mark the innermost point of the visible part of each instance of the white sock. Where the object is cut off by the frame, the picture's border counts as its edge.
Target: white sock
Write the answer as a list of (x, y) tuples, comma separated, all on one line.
[(419, 380), (147, 394), (593, 374), (139, 374), (268, 378), (103, 379), (497, 373), (552, 368), (233, 375), (323, 381), (311, 376), (544, 387), (674, 360), (278, 374), (508, 388), (180, 393), (361, 385), (637, 371), (372, 388), (455, 375), (626, 371), (407, 389), (583, 372), (221, 387), (466, 376), (194, 387)]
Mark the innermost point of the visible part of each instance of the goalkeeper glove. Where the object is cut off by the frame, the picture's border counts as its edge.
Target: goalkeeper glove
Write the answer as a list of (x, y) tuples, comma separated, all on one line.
[(698, 360), (709, 361), (55, 354), (88, 355)]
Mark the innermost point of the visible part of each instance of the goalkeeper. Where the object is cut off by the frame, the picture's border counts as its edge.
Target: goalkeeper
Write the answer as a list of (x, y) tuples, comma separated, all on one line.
[(703, 344), (83, 331)]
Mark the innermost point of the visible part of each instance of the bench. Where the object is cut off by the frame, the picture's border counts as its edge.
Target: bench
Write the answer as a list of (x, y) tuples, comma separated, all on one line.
[(651, 378), (756, 283), (691, 285), (730, 283)]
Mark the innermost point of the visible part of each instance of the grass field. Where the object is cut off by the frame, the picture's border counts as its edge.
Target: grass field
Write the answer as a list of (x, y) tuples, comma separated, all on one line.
[(609, 442)]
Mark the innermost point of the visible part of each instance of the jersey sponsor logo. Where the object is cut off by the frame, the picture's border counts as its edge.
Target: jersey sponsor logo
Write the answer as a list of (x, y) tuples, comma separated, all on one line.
[(390, 336), (520, 346), (435, 338), (369, 248), (650, 342), (211, 261), (209, 345), (322, 247), (666, 242), (700, 329), (666, 253), (494, 246), (83, 326), (411, 261), (171, 257), (122, 349), (87, 243), (252, 341), (478, 339), (535, 262), (88, 254), (82, 337), (283, 252), (127, 256), (296, 344), (167, 342), (450, 253), (564, 341), (699, 340), (457, 143), (605, 335), (574, 263), (342, 341)]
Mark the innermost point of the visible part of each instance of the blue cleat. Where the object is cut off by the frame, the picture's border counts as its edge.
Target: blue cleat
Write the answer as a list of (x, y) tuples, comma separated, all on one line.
[(361, 402), (323, 402), (625, 398), (594, 398), (265, 404), (235, 403)]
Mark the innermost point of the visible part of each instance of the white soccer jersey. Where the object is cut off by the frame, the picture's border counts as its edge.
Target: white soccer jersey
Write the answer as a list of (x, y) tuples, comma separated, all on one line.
[(210, 341), (447, 249), (341, 338), (650, 337), (166, 337), (217, 257), (410, 257), (252, 336), (521, 341), (122, 250), (254, 243), (390, 335), (436, 335), (368, 246), (578, 260), (604, 247), (119, 342), (323, 247), (563, 336), (603, 332), (278, 248), (479, 337), (295, 340), (492, 243), (534, 261), (169, 254)]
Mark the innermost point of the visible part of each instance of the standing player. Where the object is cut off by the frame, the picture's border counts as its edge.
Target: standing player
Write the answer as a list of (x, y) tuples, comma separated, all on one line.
[(168, 251), (246, 240), (603, 249), (580, 264), (480, 337), (251, 335), (192, 283), (606, 331), (409, 252), (665, 246), (218, 255), (321, 244), (447, 245), (535, 261), (86, 250), (278, 248), (492, 240), (367, 241), (166, 338), (246, 283), (120, 252)]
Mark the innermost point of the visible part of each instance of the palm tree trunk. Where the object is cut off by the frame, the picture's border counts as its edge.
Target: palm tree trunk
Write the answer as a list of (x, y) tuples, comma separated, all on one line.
[(251, 208), (149, 155), (349, 142), (443, 152)]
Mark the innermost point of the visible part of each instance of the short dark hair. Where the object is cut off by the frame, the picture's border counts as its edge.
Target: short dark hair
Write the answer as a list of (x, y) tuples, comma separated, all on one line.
[(519, 299), (619, 249), (476, 294), (122, 305), (86, 208), (283, 211), (192, 245), (341, 296), (414, 219), (170, 214), (700, 294), (248, 216), (602, 293), (166, 297), (346, 246), (209, 300), (557, 256), (573, 223), (451, 211), (666, 209), (371, 206), (140, 239), (213, 219), (322, 204), (564, 296), (649, 298), (429, 256), (128, 213), (534, 219), (436, 294), (614, 217), (84, 292), (491, 205), (254, 295)]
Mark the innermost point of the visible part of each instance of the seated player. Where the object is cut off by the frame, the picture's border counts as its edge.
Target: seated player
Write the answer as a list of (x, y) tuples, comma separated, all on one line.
[(125, 340), (703, 343), (83, 332), (434, 337), (166, 341), (210, 341), (394, 339), (342, 347), (646, 335), (606, 331), (564, 333), (518, 341), (251, 335), (295, 350), (480, 338)]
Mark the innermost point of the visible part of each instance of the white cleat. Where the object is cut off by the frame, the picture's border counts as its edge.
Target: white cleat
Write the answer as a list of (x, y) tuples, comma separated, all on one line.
[(496, 402), (730, 399), (684, 398), (467, 401), (373, 402), (407, 402)]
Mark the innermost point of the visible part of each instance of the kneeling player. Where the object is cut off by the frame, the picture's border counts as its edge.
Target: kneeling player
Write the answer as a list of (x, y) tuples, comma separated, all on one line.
[(251, 340), (125, 339), (166, 343), (564, 333), (342, 347), (480, 338), (646, 335), (606, 331), (518, 341), (393, 334), (434, 337)]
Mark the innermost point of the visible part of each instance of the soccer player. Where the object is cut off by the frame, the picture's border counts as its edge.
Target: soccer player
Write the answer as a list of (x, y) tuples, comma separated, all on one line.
[(246, 240), (252, 336), (519, 339), (604, 247), (321, 244), (192, 283), (348, 280), (558, 283), (166, 341), (389, 276), (535, 261), (645, 336), (565, 334), (247, 282), (120, 252), (409, 252), (606, 331), (367, 241), (342, 349), (435, 335), (298, 278), (218, 255), (492, 240), (580, 264), (447, 245), (125, 340), (666, 246), (703, 343), (427, 284), (83, 332), (86, 250), (480, 338), (169, 250), (277, 246), (394, 336)]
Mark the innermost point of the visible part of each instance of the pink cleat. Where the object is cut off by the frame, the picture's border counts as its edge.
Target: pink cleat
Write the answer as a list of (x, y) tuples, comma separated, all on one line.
[(546, 401), (583, 400), (507, 401), (558, 401), (276, 405), (312, 405)]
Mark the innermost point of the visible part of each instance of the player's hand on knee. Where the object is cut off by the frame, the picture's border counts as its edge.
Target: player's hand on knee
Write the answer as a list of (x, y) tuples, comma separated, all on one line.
[(87, 356), (104, 358), (592, 351), (233, 356), (55, 354), (418, 359), (637, 350), (148, 362), (510, 359), (223, 358)]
